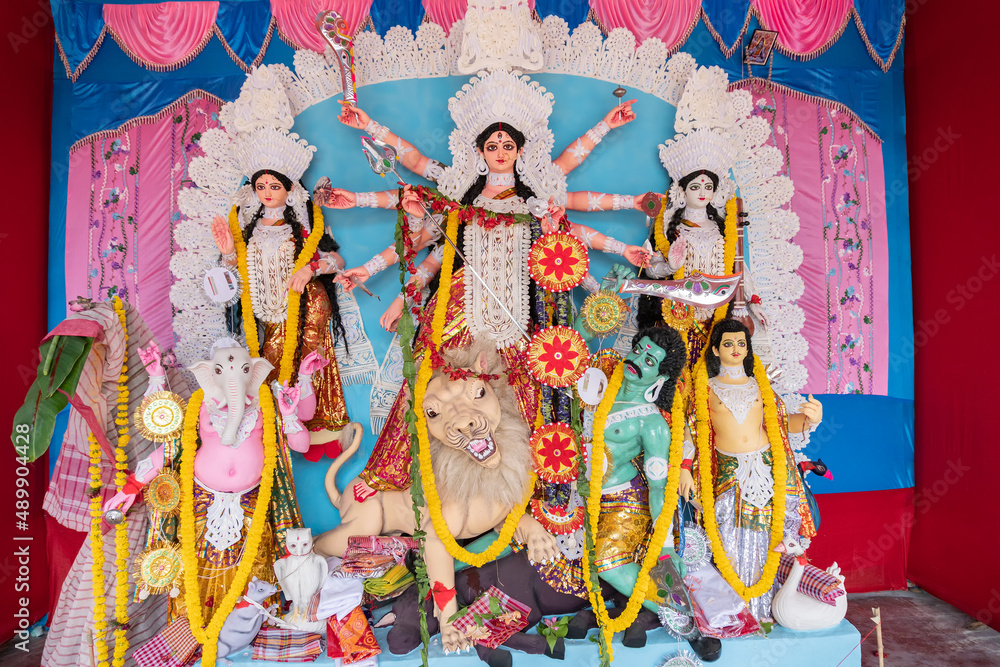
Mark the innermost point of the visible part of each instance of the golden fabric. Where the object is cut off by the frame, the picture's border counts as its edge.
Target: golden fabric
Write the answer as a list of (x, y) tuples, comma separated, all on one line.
[(331, 410), (216, 569), (623, 526)]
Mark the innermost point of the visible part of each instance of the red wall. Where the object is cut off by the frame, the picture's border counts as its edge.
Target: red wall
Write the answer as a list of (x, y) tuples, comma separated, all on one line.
[(26, 53), (954, 147)]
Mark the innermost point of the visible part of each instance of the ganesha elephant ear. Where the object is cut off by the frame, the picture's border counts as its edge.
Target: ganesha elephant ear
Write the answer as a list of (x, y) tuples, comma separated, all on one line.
[(204, 372), (260, 368), (482, 362)]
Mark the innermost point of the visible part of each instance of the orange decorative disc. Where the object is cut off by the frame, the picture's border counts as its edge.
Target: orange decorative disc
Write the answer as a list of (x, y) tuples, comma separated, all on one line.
[(558, 261), (557, 356), (554, 450), (557, 520)]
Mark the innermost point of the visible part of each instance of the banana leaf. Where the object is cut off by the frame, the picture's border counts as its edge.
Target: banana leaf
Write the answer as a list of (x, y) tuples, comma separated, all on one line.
[(63, 359)]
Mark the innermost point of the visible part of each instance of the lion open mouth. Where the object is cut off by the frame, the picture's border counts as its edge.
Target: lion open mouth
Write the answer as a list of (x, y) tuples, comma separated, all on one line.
[(481, 448)]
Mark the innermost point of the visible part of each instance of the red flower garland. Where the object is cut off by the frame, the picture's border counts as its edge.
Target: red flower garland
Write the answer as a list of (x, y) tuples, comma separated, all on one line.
[(438, 203), (456, 374)]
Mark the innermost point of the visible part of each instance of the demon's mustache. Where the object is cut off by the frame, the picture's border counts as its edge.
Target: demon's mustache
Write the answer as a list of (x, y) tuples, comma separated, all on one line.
[(635, 367)]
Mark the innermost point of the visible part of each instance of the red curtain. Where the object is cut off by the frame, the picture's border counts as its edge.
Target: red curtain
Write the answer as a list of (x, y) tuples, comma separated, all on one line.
[(953, 144), (26, 60)]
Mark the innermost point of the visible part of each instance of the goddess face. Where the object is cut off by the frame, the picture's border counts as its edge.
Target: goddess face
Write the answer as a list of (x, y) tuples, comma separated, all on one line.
[(500, 151), (642, 365), (699, 192), (732, 349), (270, 191)]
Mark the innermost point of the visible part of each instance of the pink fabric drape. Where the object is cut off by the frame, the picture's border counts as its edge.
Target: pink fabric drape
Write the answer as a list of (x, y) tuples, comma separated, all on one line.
[(119, 236), (446, 12), (162, 36), (296, 19), (804, 27), (669, 20)]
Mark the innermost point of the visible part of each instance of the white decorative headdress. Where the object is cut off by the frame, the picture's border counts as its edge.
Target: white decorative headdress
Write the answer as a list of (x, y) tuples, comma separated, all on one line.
[(704, 140), (500, 34), (509, 98)]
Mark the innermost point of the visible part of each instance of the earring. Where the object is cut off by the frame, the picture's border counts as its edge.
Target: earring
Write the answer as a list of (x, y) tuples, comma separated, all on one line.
[(719, 199), (519, 166), (292, 200), (653, 392), (481, 167)]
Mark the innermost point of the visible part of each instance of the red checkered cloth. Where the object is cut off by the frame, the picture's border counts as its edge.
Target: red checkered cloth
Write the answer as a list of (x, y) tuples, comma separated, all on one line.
[(360, 564), (495, 630), (397, 547), (815, 583), (351, 639), (280, 645), (174, 646)]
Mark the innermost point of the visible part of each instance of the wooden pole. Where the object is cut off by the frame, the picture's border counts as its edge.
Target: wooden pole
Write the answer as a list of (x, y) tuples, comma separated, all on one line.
[(877, 618)]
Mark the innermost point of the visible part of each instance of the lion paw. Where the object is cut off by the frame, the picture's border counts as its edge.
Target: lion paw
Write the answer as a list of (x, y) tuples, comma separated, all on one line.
[(452, 639), (543, 547)]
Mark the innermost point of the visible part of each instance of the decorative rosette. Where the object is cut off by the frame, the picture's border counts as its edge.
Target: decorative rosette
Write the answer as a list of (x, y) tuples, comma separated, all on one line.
[(697, 548), (676, 314), (554, 449), (603, 313), (159, 570), (557, 519), (160, 416), (164, 493), (557, 356), (606, 359), (684, 658), (558, 261)]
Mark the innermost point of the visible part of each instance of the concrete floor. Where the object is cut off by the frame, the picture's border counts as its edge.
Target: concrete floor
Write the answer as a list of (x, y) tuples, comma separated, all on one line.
[(917, 630)]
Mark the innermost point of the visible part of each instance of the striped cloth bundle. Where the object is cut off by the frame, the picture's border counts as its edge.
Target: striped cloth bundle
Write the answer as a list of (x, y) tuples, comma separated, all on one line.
[(280, 645), (815, 583)]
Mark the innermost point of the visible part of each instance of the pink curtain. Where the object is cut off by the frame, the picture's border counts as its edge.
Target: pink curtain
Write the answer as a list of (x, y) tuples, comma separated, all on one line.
[(163, 36), (446, 12), (805, 27), (670, 20), (119, 236), (296, 19)]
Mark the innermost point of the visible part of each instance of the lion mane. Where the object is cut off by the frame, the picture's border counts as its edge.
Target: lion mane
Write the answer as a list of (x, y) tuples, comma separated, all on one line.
[(457, 475)]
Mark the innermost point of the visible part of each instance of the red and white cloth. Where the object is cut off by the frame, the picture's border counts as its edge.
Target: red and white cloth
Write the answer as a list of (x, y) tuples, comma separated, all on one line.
[(815, 583), (496, 629)]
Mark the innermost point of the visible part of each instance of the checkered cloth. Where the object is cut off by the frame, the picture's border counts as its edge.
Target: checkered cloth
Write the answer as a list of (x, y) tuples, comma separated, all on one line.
[(280, 645), (494, 631), (397, 547), (815, 583), (174, 646)]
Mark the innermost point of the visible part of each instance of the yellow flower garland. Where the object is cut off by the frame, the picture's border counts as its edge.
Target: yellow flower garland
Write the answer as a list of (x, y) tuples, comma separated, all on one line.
[(294, 298), (728, 256), (97, 551), (660, 535), (208, 636), (121, 529), (779, 471), (426, 469)]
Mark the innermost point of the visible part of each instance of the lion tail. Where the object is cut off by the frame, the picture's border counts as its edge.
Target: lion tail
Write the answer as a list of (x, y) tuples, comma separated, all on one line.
[(353, 432)]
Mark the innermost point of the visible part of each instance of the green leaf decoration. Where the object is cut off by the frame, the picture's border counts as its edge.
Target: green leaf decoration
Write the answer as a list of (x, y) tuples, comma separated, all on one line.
[(66, 357)]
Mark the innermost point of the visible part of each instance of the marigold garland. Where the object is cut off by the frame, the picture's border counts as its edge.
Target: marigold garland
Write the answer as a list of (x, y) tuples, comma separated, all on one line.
[(121, 529), (779, 472), (728, 257), (426, 469), (208, 636), (290, 344), (97, 551), (608, 625)]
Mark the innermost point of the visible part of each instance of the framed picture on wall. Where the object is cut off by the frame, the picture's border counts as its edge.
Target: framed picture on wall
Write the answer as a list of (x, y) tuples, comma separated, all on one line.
[(760, 46)]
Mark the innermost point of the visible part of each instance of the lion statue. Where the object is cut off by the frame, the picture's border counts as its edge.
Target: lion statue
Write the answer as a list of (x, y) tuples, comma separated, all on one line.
[(482, 464)]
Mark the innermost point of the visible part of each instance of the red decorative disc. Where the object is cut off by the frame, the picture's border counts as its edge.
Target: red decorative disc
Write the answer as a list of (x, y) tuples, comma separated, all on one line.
[(554, 450), (558, 356), (558, 261), (557, 520)]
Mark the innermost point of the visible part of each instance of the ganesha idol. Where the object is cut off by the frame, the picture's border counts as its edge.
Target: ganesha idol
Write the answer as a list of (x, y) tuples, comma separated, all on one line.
[(230, 463)]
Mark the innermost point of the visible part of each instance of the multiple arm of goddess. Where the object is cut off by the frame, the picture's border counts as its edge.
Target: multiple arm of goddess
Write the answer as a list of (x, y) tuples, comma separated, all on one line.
[(423, 234)]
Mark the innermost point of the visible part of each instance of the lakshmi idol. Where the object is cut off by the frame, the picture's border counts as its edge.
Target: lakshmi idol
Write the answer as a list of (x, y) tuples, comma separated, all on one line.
[(279, 230)]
